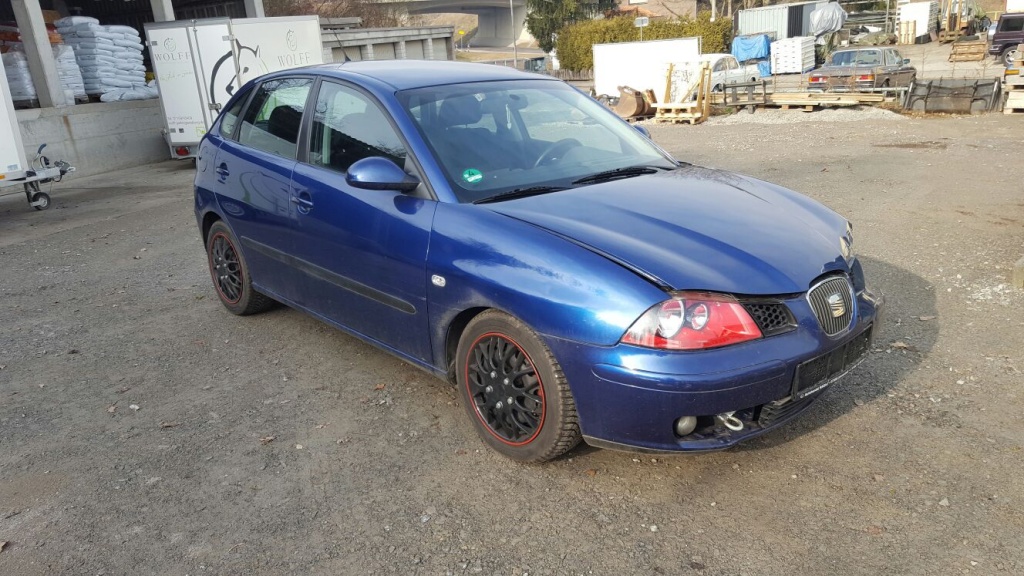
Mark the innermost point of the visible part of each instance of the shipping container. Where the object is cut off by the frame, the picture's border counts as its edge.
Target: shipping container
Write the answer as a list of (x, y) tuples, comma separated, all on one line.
[(780, 21)]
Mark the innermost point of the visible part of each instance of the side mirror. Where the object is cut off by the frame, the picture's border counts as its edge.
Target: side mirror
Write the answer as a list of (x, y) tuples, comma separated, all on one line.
[(906, 61), (643, 130), (379, 173)]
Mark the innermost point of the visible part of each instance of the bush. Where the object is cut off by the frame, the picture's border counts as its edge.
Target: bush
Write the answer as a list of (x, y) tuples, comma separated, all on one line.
[(575, 42)]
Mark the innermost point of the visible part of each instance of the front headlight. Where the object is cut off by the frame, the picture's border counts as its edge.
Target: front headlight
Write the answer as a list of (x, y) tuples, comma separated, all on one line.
[(846, 243)]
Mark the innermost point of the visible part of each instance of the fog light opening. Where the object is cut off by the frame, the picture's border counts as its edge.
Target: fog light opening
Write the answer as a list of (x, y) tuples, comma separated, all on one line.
[(685, 425)]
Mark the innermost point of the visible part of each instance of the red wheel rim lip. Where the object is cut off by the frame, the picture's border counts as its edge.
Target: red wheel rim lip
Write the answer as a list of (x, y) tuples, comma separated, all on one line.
[(213, 274), (540, 389)]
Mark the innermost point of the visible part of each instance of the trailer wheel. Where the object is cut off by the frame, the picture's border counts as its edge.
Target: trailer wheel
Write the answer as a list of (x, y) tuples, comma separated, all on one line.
[(40, 200)]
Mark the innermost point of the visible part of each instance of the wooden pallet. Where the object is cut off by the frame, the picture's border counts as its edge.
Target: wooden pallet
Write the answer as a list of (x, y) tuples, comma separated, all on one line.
[(1013, 83), (690, 112), (973, 51), (1014, 102)]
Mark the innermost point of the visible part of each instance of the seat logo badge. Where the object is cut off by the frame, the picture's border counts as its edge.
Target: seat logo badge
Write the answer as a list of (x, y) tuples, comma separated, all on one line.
[(835, 302), (438, 281)]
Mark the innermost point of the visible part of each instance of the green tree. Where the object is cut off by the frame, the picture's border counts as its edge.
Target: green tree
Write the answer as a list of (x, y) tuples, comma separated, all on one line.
[(546, 17)]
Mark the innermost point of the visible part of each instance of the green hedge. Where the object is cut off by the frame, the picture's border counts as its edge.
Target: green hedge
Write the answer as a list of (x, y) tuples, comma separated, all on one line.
[(575, 41)]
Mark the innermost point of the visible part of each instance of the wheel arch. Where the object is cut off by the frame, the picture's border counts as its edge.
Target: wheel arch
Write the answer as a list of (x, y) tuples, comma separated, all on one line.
[(209, 219), (453, 334)]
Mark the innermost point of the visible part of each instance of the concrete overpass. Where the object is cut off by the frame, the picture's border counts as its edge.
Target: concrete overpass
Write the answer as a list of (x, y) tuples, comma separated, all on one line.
[(496, 20)]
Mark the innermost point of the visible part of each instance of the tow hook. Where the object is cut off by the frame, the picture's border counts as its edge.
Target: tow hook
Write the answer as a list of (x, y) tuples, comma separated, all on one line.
[(730, 421)]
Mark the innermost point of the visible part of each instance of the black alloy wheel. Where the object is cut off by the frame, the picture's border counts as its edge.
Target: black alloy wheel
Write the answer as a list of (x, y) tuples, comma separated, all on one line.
[(513, 389), (230, 273), (505, 389)]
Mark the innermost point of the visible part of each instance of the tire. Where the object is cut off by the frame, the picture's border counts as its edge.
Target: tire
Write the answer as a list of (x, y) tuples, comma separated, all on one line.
[(230, 273), (43, 198), (1009, 55), (541, 422)]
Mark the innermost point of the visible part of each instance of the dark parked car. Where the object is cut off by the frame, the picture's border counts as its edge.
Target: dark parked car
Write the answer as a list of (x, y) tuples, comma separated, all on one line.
[(1009, 33), (506, 232), (863, 68)]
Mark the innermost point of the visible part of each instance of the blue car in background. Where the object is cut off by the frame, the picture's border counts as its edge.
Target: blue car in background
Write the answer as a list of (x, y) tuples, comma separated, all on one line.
[(504, 231)]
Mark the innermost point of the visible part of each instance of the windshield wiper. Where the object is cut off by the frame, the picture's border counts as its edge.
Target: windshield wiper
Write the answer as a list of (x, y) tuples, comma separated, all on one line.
[(519, 193), (627, 172)]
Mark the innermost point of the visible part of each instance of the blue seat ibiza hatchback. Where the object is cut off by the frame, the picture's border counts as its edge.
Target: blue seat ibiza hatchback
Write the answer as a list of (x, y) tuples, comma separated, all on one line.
[(508, 233)]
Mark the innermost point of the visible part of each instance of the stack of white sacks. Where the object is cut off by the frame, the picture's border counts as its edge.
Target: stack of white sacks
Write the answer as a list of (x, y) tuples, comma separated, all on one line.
[(18, 76), (20, 80), (110, 58)]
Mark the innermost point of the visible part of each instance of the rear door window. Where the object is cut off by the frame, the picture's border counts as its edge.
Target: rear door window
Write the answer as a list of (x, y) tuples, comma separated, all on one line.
[(272, 121), (230, 120)]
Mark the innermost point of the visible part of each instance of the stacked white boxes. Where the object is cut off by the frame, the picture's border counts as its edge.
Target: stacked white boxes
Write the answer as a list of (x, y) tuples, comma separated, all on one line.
[(924, 14), (110, 57), (793, 55)]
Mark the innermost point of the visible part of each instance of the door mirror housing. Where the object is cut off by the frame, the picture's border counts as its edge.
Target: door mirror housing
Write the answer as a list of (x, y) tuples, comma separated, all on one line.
[(643, 130), (379, 173), (906, 61)]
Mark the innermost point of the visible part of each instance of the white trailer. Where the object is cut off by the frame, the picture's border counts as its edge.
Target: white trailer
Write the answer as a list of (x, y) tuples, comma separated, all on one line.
[(200, 64), (640, 65), (12, 151), (14, 169)]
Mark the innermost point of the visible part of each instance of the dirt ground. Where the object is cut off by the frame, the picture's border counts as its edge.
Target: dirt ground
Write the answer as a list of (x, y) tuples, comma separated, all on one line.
[(144, 430)]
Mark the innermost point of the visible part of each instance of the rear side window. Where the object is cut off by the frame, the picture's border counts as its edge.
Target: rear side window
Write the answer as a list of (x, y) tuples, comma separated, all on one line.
[(271, 122), (230, 120), (1011, 25)]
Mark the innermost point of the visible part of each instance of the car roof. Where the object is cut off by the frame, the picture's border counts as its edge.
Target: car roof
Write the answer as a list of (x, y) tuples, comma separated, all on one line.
[(407, 74)]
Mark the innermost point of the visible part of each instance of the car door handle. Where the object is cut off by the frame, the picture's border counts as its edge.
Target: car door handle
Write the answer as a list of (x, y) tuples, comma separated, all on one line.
[(223, 171), (302, 202)]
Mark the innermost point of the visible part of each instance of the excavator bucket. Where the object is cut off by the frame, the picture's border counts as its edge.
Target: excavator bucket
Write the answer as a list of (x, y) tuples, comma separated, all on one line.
[(631, 103)]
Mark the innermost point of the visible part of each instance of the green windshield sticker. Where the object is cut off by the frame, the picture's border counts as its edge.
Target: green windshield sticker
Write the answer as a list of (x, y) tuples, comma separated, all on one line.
[(472, 175)]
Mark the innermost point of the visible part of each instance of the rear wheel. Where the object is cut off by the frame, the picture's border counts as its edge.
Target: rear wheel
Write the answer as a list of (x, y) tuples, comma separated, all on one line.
[(230, 273), (514, 391), (1010, 54)]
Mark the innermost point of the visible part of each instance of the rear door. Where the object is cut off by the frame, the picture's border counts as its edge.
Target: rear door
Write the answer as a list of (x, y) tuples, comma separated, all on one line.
[(363, 252), (252, 181)]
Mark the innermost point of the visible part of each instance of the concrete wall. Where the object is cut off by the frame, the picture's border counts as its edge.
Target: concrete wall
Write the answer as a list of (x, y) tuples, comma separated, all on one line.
[(99, 137), (389, 43)]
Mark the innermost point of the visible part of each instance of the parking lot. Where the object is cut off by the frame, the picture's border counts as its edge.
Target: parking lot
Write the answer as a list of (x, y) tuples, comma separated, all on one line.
[(145, 430)]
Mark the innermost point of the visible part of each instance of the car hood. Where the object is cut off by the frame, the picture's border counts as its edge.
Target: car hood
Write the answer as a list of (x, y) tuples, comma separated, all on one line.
[(696, 229)]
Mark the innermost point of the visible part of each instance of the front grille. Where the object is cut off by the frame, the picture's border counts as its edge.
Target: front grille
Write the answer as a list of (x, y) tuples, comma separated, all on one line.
[(771, 317), (832, 302)]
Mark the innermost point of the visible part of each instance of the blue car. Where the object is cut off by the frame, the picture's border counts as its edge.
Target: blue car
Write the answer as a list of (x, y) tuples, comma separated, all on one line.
[(508, 233)]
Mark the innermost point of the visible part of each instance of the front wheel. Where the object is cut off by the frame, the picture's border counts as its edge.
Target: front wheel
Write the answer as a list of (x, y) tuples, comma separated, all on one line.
[(230, 273), (514, 391)]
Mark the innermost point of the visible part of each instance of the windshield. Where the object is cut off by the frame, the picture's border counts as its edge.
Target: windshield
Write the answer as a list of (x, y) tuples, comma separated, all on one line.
[(857, 58), (492, 138)]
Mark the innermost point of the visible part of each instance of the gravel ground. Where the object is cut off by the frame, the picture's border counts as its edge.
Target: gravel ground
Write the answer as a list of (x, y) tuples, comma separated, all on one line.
[(144, 430)]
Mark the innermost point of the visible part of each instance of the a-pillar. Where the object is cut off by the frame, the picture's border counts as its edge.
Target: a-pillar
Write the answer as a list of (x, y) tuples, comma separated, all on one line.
[(163, 11), (41, 63)]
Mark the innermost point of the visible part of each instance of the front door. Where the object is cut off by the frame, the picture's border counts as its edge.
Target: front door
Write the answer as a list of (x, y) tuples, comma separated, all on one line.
[(364, 251)]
